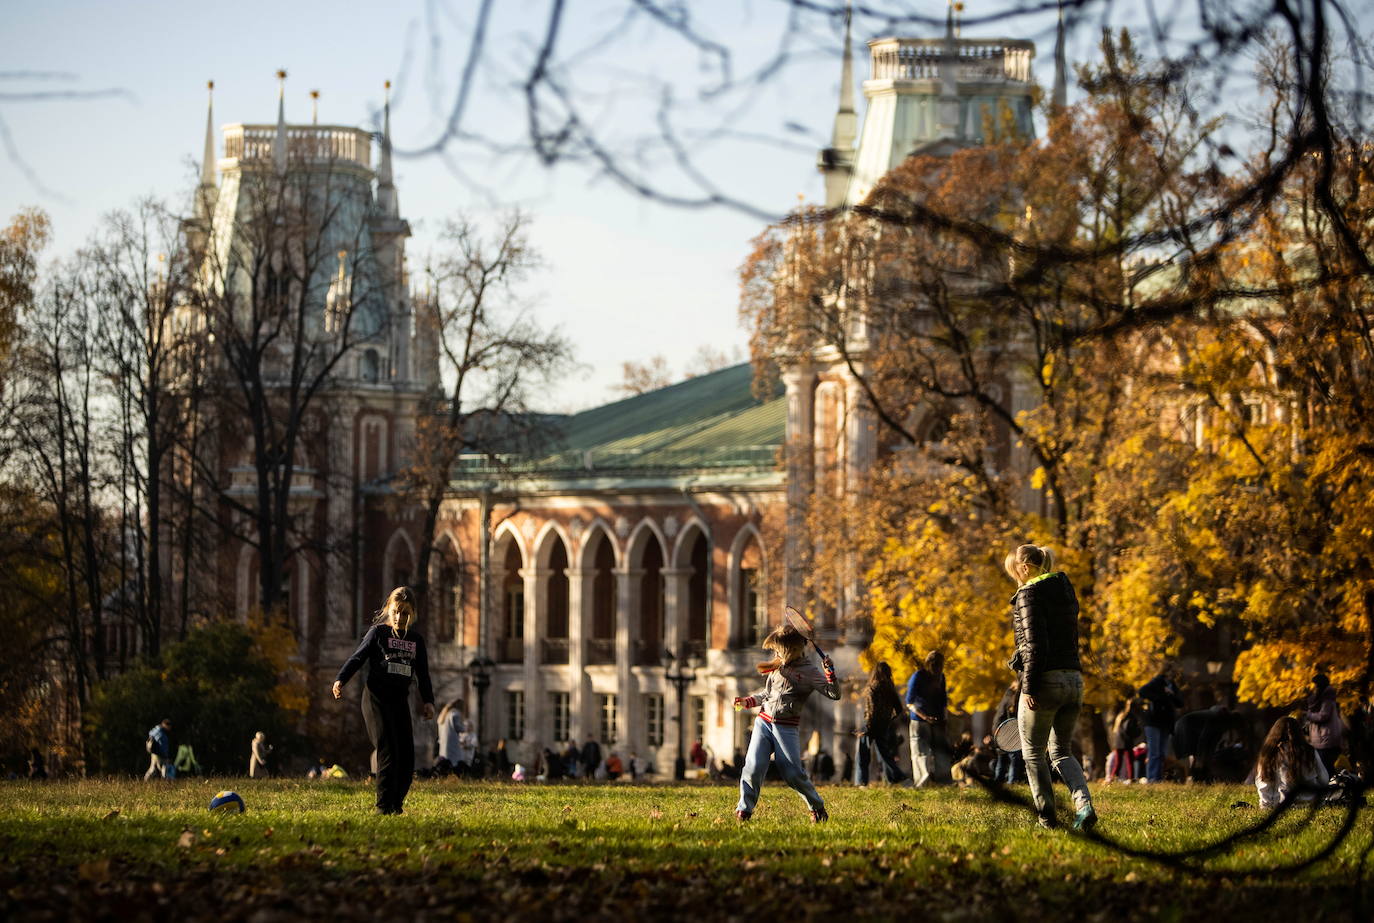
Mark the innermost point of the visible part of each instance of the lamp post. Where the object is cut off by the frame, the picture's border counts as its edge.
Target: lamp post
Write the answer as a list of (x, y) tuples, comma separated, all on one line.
[(480, 670), (686, 672)]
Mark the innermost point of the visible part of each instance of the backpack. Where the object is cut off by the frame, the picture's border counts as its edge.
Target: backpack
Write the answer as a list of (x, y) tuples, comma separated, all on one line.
[(1345, 790)]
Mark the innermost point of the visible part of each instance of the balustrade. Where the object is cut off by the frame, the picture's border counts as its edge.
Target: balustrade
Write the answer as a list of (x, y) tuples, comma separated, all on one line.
[(976, 61), (304, 143), (554, 650), (511, 650)]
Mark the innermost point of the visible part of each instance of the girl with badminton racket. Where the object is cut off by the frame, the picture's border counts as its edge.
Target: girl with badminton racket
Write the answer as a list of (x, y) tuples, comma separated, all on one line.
[(1045, 625), (792, 677)]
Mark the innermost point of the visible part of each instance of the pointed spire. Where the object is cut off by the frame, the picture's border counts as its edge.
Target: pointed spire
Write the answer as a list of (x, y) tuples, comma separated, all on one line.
[(947, 109), (1060, 98), (836, 162), (279, 141), (846, 122), (207, 191), (207, 163), (386, 188)]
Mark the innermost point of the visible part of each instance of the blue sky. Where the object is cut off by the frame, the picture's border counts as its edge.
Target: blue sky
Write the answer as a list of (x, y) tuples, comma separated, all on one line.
[(625, 277)]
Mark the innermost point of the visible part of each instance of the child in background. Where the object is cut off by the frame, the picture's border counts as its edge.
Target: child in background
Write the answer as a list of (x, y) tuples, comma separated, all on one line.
[(395, 656), (777, 729)]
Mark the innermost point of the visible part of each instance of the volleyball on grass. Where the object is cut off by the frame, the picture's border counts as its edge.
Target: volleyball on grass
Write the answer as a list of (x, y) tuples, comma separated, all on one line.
[(227, 802)]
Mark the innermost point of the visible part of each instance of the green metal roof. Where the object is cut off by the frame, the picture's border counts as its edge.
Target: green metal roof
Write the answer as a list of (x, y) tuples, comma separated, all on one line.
[(712, 421)]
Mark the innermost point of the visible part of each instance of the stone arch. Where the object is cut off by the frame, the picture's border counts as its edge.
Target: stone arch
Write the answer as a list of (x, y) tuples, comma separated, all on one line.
[(748, 583), (639, 539), (553, 614), (648, 556), (598, 563), (693, 553), (543, 544), (446, 591), (398, 561), (589, 534), (507, 561)]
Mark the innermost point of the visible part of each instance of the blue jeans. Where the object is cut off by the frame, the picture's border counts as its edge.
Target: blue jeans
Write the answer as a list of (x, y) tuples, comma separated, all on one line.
[(1156, 745), (887, 756), (1045, 736), (783, 743), (1009, 768)]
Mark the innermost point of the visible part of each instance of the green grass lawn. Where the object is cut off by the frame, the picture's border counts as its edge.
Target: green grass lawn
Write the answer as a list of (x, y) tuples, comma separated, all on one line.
[(125, 850)]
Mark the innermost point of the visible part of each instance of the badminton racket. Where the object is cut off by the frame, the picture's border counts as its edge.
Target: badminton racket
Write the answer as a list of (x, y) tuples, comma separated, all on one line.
[(804, 626), (1008, 736)]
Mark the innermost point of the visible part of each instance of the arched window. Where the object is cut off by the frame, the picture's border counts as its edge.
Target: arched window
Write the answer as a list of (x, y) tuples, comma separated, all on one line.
[(601, 644), (752, 614), (556, 629), (698, 595), (446, 597), (511, 645), (651, 603)]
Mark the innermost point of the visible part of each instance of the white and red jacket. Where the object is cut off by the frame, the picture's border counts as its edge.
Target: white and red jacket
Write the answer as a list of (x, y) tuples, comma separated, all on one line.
[(787, 690)]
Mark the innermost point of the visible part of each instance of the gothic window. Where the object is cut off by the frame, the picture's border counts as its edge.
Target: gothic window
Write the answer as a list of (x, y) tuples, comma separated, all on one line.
[(651, 591), (751, 611), (447, 596), (512, 608), (555, 640), (601, 645), (699, 595)]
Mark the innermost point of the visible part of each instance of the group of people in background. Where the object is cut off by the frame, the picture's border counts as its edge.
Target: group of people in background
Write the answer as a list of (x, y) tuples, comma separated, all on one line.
[(1044, 701)]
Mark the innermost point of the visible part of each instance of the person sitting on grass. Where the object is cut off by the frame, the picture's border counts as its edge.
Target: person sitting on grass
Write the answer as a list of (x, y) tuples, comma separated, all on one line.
[(1288, 766), (777, 729)]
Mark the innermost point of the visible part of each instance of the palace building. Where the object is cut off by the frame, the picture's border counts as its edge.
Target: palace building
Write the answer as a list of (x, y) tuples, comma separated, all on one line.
[(617, 585)]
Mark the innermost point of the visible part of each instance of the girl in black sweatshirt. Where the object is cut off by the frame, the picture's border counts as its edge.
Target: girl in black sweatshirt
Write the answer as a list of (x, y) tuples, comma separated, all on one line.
[(395, 656)]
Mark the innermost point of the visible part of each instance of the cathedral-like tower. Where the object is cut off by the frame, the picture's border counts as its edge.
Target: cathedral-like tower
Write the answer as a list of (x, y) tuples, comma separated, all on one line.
[(295, 218)]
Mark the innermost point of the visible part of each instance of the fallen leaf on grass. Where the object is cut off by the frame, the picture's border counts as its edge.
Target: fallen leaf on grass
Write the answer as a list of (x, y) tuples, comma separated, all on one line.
[(267, 834), (187, 839), (96, 871)]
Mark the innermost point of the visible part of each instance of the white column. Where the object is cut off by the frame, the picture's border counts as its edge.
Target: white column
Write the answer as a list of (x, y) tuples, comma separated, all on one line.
[(626, 638), (676, 598), (579, 629), (536, 604)]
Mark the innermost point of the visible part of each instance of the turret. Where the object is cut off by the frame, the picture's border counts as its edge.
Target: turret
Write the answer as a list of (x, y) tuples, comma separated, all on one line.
[(836, 162), (208, 190), (936, 95)]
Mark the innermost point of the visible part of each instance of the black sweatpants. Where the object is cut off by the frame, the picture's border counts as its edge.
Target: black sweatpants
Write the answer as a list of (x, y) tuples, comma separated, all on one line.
[(388, 726)]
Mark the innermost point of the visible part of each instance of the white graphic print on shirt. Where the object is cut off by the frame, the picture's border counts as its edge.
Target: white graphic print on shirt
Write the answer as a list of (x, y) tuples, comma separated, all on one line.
[(399, 653)]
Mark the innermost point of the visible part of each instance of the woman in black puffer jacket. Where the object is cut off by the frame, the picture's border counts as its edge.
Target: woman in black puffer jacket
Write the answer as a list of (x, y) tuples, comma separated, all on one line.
[(1045, 624)]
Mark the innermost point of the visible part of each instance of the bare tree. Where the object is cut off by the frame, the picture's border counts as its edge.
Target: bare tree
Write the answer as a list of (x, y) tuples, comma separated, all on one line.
[(493, 357), (294, 280), (642, 377), (150, 342), (58, 428)]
